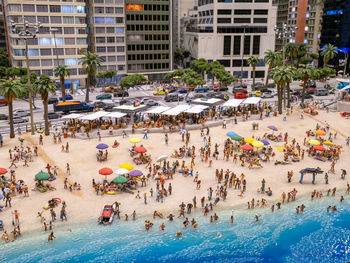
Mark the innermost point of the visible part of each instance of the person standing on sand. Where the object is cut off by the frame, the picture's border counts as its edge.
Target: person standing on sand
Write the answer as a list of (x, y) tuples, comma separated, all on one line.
[(68, 168)]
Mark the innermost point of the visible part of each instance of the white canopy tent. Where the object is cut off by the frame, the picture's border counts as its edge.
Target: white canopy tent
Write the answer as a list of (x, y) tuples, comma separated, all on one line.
[(252, 100), (232, 103), (116, 114), (94, 116), (211, 101), (177, 110), (157, 110), (72, 116), (130, 108), (196, 109)]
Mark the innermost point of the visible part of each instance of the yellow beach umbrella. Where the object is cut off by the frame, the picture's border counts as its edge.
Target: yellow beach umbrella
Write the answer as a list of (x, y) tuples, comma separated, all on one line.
[(320, 132), (280, 149), (249, 140), (127, 166), (314, 142), (134, 140), (258, 144), (328, 143)]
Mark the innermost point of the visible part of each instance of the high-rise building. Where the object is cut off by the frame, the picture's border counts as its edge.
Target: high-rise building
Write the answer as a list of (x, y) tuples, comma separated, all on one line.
[(3, 44), (231, 31), (109, 35), (69, 20), (149, 37), (304, 18)]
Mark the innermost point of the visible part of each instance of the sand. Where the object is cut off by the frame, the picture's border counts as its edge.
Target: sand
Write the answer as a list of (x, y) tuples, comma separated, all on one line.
[(85, 205)]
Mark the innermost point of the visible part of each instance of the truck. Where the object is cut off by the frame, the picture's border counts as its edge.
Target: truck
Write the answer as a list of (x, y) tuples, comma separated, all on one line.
[(66, 107)]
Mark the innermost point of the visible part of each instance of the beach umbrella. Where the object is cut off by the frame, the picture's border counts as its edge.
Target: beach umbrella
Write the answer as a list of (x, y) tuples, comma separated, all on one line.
[(231, 133), (328, 143), (105, 171), (247, 147), (119, 180), (314, 142), (3, 171), (249, 140), (258, 144), (136, 173), (236, 137), (41, 176), (265, 142), (121, 171), (320, 132), (127, 166), (140, 149), (134, 140), (0, 197), (280, 149), (102, 146), (319, 148), (162, 158), (272, 127)]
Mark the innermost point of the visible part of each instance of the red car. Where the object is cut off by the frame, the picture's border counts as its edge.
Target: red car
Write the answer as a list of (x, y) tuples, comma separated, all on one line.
[(107, 215), (240, 95)]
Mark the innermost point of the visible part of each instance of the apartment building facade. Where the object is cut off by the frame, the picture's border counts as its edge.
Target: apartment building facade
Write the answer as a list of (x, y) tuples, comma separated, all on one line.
[(303, 19), (230, 31)]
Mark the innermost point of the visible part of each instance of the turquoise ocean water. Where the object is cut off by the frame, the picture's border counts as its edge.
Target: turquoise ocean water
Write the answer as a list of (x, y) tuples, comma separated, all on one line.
[(282, 236)]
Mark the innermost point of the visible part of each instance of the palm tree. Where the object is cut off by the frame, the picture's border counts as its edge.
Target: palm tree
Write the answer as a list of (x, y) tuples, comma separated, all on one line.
[(11, 89), (292, 52), (279, 76), (290, 74), (91, 62), (304, 72), (328, 52), (44, 86), (273, 59), (62, 72), (252, 61)]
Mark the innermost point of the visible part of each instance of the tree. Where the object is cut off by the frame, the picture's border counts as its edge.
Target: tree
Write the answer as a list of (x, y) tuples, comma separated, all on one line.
[(290, 74), (273, 59), (215, 66), (224, 77), (200, 66), (281, 76), (192, 79), (11, 89), (44, 85), (111, 74), (252, 61), (132, 81), (4, 59), (304, 72), (102, 75), (91, 62), (328, 52), (62, 72), (24, 81), (291, 52)]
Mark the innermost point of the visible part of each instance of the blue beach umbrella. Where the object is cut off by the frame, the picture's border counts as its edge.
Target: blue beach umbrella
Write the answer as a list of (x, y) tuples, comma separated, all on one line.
[(265, 142), (231, 133), (0, 197), (102, 146)]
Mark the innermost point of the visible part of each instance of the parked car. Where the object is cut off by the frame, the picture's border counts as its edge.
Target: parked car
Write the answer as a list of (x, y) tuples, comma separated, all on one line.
[(240, 95), (267, 95), (160, 91), (183, 90), (258, 85), (152, 103), (271, 85), (121, 94), (204, 88), (53, 115), (52, 100), (173, 97), (194, 96), (310, 90), (218, 87), (241, 89), (321, 92), (21, 113), (256, 93), (17, 119), (221, 96), (105, 96), (68, 97), (3, 117), (104, 105), (3, 101), (265, 90)]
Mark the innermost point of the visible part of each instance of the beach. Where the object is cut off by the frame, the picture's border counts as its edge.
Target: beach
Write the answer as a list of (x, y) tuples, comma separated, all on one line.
[(85, 205)]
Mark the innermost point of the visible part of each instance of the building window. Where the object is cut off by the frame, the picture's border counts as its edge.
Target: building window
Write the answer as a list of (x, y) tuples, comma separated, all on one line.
[(260, 74), (33, 52), (19, 52), (101, 49), (44, 41), (15, 8), (260, 20), (69, 41), (56, 19), (225, 62), (80, 20), (256, 45), (70, 62), (42, 8), (120, 39), (45, 52), (119, 20), (109, 10), (120, 58), (68, 20), (67, 9), (81, 41), (110, 39), (111, 58), (99, 10), (224, 11), (80, 9), (237, 45), (119, 30), (99, 20), (244, 20), (100, 30), (46, 62), (224, 20), (100, 40), (246, 49), (120, 49), (70, 51), (119, 10), (69, 30), (261, 11), (28, 8), (135, 7), (227, 45), (242, 12), (109, 20), (43, 19), (110, 49), (48, 72)]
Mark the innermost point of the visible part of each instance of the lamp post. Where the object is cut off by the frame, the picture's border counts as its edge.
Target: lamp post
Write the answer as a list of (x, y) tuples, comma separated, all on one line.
[(54, 30), (244, 28), (282, 32), (25, 31)]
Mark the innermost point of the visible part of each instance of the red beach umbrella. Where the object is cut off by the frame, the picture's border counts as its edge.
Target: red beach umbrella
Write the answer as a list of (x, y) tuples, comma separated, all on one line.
[(105, 171), (3, 171), (247, 147), (140, 149), (319, 148)]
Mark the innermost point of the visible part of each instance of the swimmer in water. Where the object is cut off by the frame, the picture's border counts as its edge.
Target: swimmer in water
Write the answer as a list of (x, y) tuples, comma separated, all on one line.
[(162, 227), (51, 237), (257, 218), (218, 234), (179, 234)]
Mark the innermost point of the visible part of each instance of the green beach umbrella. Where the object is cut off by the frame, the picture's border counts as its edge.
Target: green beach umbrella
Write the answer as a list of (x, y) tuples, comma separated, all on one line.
[(236, 137), (42, 176), (120, 180)]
